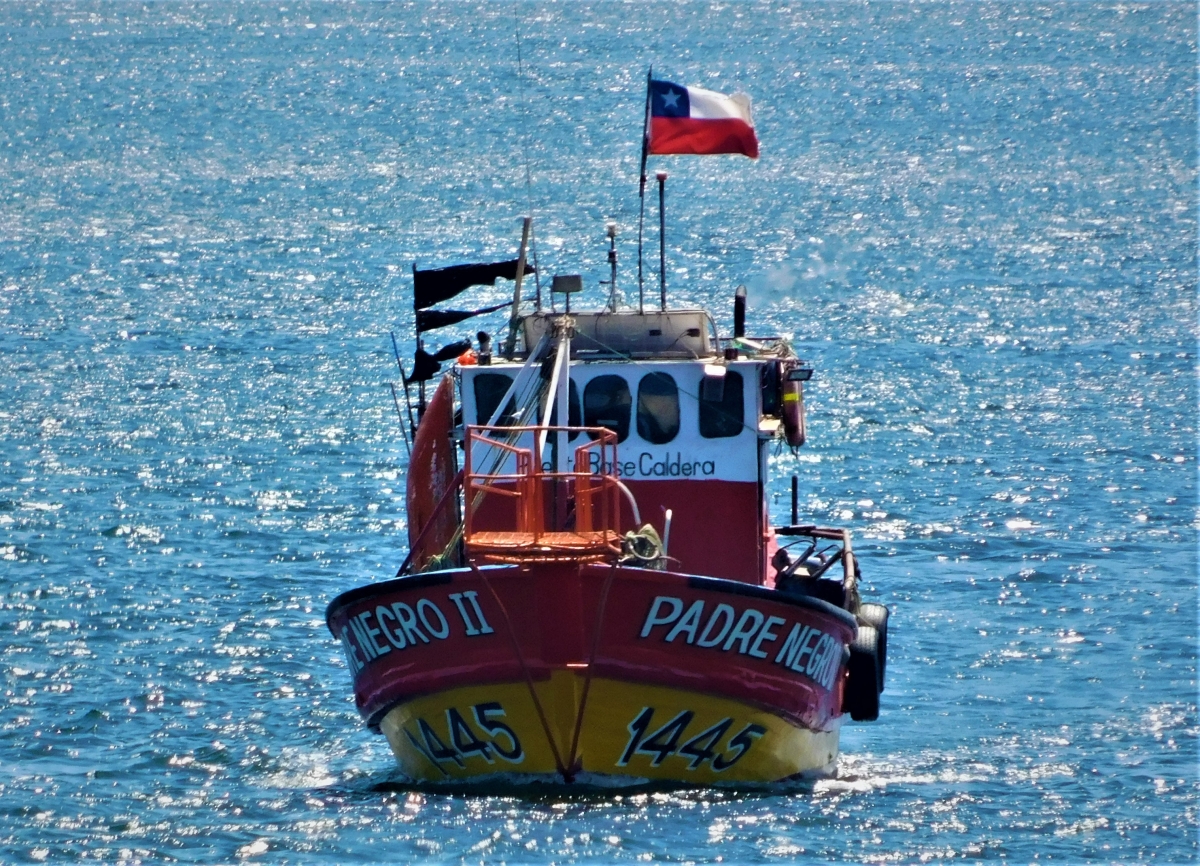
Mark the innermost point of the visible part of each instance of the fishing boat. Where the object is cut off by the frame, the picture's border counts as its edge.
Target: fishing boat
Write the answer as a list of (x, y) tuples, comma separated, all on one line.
[(605, 600), (594, 591)]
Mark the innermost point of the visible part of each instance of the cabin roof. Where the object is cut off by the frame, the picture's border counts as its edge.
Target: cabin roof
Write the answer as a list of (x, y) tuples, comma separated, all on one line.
[(653, 334)]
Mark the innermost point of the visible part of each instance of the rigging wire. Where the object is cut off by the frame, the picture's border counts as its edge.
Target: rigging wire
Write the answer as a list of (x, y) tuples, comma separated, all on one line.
[(528, 400)]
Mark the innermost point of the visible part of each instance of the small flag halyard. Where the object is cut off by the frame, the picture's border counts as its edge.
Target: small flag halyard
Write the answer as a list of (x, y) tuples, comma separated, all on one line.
[(694, 120)]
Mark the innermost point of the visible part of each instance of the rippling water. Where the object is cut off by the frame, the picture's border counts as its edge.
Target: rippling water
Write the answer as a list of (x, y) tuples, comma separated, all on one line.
[(977, 219)]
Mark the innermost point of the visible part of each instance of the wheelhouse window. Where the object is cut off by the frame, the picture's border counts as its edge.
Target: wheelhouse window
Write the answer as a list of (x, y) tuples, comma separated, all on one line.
[(658, 408), (607, 403), (490, 389), (723, 418)]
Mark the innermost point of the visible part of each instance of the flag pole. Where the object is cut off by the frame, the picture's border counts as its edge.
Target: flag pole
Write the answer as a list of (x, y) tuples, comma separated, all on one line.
[(662, 239), (642, 188), (421, 384)]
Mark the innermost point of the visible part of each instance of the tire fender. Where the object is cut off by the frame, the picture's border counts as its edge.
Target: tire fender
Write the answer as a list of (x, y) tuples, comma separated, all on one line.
[(876, 616), (861, 699)]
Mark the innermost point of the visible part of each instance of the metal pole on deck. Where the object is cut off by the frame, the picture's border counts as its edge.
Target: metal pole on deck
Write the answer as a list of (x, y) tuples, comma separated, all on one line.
[(421, 384), (662, 238), (642, 189), (562, 463), (553, 399), (611, 230), (563, 407), (510, 344)]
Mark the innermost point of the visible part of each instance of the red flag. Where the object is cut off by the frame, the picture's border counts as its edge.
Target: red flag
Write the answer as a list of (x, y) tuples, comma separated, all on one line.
[(694, 120)]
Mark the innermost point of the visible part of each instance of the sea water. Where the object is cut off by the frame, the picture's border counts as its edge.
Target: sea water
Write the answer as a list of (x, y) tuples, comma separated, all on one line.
[(976, 219)]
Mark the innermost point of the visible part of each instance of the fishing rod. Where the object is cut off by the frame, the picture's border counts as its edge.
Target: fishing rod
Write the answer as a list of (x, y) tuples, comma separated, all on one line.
[(400, 415), (404, 380)]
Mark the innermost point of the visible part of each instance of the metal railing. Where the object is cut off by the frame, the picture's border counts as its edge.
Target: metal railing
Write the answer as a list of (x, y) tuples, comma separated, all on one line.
[(545, 513)]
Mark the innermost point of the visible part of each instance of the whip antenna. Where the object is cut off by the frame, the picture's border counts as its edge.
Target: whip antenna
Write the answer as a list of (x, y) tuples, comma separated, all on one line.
[(537, 281), (642, 187)]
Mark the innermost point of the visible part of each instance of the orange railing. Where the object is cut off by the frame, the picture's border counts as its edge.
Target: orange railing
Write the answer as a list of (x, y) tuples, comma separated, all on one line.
[(539, 513)]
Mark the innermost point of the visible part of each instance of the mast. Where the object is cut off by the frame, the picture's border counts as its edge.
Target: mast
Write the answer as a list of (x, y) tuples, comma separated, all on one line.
[(557, 399), (511, 343), (421, 384), (642, 189), (560, 396), (662, 239), (611, 230)]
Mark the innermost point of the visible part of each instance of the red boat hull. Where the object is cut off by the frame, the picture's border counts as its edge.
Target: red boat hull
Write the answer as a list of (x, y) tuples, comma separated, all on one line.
[(595, 671)]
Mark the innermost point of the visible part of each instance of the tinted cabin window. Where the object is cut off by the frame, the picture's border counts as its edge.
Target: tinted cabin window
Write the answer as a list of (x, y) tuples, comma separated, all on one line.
[(721, 418), (658, 408), (490, 389), (572, 410), (770, 388), (606, 403)]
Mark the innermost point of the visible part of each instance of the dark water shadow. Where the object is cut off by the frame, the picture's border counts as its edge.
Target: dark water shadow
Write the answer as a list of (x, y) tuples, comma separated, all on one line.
[(550, 791)]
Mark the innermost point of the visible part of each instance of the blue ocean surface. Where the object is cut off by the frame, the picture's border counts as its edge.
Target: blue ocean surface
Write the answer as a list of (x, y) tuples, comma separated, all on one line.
[(977, 219)]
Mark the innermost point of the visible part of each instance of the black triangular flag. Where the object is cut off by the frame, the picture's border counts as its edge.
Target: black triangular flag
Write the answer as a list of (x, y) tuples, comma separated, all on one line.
[(451, 351), (426, 366), (430, 319), (442, 284)]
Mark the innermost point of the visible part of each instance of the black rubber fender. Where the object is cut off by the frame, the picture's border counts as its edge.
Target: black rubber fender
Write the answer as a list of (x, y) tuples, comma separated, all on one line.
[(862, 680), (876, 616)]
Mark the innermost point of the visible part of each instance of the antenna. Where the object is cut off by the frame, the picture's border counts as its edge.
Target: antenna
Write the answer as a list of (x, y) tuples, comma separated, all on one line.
[(642, 187), (537, 282), (610, 229), (662, 238)]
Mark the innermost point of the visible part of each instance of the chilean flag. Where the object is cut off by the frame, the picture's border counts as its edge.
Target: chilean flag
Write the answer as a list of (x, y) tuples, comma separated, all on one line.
[(693, 120)]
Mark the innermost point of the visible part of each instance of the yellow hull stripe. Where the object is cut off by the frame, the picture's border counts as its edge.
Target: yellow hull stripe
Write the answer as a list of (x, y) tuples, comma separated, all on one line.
[(630, 731)]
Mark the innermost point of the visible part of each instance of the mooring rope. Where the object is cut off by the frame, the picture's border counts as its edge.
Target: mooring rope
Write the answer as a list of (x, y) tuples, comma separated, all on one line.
[(575, 763), (537, 704)]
